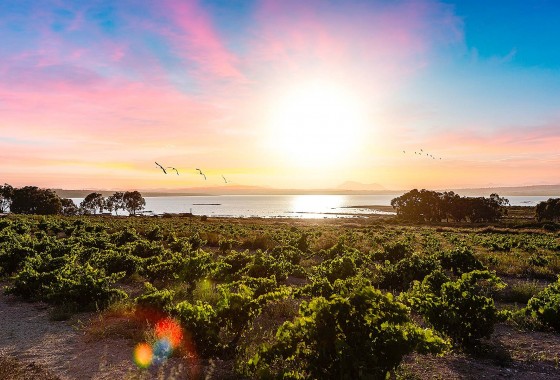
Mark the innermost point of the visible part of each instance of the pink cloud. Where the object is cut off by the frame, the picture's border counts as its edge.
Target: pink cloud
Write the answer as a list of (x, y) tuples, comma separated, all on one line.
[(371, 41), (195, 39)]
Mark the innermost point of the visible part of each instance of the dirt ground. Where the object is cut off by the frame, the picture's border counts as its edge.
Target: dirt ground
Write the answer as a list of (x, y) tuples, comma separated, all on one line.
[(509, 354), (34, 347)]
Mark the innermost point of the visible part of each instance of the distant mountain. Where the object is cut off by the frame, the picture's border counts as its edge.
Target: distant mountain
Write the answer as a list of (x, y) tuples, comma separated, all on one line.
[(534, 190), (353, 185), (349, 187)]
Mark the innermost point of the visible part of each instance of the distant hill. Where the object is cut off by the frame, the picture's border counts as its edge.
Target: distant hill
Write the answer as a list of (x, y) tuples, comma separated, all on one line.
[(534, 190), (82, 193), (347, 188)]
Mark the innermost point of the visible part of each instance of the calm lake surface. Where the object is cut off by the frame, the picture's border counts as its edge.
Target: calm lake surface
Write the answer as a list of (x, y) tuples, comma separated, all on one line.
[(291, 206)]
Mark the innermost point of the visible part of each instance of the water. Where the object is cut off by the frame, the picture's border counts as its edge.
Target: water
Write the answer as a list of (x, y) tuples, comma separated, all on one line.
[(291, 206)]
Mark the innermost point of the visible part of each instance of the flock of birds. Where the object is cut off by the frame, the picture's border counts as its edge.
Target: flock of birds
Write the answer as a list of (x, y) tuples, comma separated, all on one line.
[(422, 153), (177, 171)]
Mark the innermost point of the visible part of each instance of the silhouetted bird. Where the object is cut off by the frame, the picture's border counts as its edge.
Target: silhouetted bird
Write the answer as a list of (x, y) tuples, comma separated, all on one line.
[(201, 173), (161, 167), (172, 168)]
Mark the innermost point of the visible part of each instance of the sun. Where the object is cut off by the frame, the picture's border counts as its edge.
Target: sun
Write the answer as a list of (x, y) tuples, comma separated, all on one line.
[(317, 125)]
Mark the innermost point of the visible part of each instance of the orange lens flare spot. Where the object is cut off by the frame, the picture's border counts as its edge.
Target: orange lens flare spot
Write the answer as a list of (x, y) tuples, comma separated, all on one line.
[(143, 355), (169, 329)]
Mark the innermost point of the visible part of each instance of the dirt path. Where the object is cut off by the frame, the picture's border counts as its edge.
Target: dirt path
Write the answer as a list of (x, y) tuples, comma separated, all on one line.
[(28, 336), (33, 347)]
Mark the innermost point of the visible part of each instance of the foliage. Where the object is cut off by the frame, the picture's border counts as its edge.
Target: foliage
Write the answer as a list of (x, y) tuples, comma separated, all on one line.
[(115, 202), (394, 251), (401, 274), (363, 335), (133, 202), (6, 195), (460, 260), (548, 210), (32, 200), (155, 299), (432, 206), (461, 309), (69, 208), (93, 203), (62, 280), (545, 306)]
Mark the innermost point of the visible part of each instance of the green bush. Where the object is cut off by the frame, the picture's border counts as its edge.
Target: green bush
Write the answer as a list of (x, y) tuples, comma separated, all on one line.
[(63, 280), (394, 251), (265, 265), (545, 306), (363, 335), (201, 322), (461, 309), (155, 299), (400, 275), (115, 262), (460, 260)]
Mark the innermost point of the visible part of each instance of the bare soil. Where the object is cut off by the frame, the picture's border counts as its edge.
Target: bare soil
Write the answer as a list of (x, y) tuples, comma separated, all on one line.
[(509, 354), (34, 347)]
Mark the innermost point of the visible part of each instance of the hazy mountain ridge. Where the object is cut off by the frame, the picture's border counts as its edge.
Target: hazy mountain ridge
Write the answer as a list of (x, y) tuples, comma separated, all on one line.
[(357, 189)]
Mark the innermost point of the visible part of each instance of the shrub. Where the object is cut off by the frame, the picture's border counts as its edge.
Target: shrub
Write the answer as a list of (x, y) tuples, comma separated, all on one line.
[(394, 251), (65, 281), (364, 335), (545, 306), (265, 265), (460, 309), (155, 299), (337, 268), (460, 260), (201, 321), (127, 235), (401, 274), (115, 262)]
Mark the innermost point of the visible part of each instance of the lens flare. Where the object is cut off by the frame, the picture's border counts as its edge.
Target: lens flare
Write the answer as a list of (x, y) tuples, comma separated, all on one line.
[(143, 355), (162, 351), (169, 330), (169, 337)]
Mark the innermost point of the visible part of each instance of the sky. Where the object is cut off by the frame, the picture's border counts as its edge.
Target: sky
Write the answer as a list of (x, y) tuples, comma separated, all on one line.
[(279, 93)]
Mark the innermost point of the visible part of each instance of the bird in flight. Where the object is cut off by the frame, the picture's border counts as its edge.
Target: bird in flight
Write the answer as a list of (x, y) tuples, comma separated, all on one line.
[(225, 180), (172, 168), (161, 167), (201, 173)]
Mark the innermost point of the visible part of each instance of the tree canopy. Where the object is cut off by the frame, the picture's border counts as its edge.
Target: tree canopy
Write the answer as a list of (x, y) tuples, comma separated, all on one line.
[(432, 206), (32, 200), (92, 203), (548, 210), (6, 194), (133, 202)]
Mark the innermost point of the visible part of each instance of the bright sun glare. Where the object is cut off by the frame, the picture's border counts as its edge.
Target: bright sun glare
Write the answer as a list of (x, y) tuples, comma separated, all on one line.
[(317, 125)]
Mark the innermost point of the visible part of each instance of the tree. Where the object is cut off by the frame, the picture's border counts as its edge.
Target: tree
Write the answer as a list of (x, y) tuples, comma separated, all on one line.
[(6, 194), (115, 202), (93, 202), (133, 201), (431, 206), (419, 206), (32, 200), (69, 207), (548, 210)]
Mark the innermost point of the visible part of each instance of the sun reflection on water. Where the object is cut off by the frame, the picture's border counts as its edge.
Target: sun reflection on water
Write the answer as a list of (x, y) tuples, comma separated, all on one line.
[(316, 204)]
